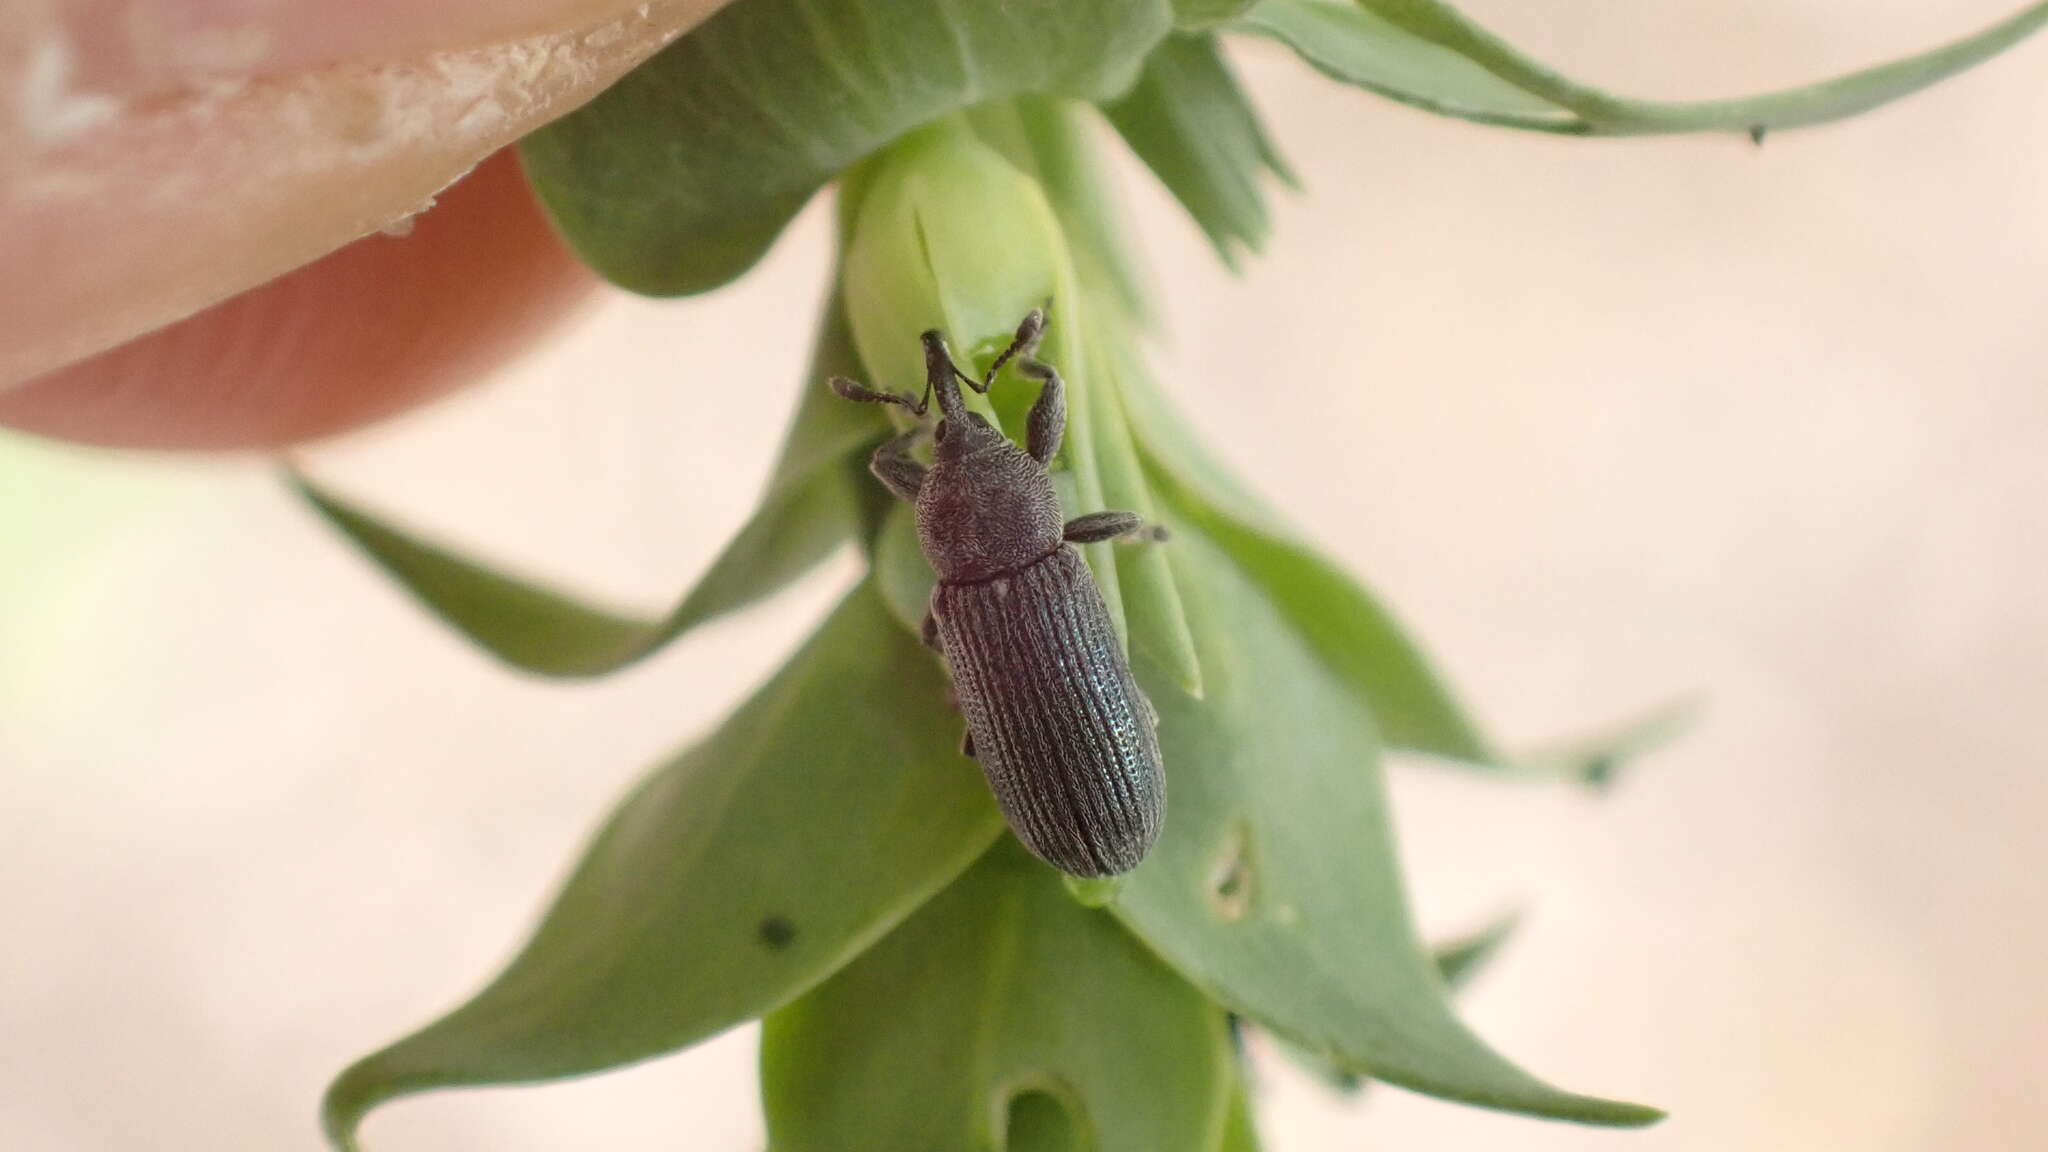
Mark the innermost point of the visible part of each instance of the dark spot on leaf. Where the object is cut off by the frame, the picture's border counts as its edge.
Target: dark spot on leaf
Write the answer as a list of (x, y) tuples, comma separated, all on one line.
[(777, 932), (1756, 134), (1230, 878)]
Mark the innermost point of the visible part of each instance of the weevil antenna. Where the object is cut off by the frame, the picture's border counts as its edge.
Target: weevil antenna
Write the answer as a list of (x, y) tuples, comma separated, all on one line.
[(862, 394)]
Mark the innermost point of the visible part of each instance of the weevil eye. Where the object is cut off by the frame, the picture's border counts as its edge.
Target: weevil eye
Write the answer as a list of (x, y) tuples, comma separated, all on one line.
[(939, 433)]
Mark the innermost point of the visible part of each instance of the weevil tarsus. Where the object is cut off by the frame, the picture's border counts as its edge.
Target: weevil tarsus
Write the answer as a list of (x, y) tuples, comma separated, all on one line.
[(1024, 343)]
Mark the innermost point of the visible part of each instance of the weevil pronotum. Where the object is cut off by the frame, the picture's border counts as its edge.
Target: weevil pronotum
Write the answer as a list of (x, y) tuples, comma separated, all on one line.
[(1060, 727)]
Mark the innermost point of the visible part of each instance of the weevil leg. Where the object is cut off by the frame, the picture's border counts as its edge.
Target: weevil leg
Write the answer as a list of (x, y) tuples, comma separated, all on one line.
[(1048, 420), (1099, 526), (967, 743), (929, 632), (893, 466)]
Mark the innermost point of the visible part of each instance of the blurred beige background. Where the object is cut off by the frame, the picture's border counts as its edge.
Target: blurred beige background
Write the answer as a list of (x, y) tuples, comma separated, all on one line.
[(1609, 422)]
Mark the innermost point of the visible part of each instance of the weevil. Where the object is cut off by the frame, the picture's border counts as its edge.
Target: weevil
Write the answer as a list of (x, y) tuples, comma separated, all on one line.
[(1061, 729)]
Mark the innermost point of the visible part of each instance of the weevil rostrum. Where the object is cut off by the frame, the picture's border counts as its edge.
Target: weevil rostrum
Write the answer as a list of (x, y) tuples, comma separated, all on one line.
[(1061, 729)]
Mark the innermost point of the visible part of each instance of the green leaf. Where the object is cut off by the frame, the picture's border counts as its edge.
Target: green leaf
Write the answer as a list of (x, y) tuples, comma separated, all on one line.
[(1348, 626), (1429, 54), (1002, 1015), (1191, 124), (1456, 962), (1355, 636), (1054, 140), (1351, 44), (1200, 15), (809, 509), (1150, 593), (1275, 885), (901, 573), (730, 881), (1595, 760), (1459, 960), (677, 178)]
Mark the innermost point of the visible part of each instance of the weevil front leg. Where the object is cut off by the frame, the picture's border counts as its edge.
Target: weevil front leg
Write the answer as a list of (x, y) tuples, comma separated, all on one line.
[(1096, 527), (1048, 419), (893, 466)]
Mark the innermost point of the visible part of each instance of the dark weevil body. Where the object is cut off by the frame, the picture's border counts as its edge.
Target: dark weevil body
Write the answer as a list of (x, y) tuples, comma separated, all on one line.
[(1060, 727)]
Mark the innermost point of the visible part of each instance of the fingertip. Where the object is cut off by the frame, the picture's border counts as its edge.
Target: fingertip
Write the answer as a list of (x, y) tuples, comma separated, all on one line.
[(378, 327)]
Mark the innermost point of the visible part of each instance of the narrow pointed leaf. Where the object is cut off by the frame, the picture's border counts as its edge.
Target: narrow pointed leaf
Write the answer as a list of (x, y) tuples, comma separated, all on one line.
[(1239, 1134), (810, 508), (1351, 44), (1347, 627), (1273, 768), (1200, 15), (1429, 54), (1001, 1015), (1459, 960), (1594, 760), (1151, 595), (1456, 962), (1350, 628), (1190, 122), (825, 811), (676, 179)]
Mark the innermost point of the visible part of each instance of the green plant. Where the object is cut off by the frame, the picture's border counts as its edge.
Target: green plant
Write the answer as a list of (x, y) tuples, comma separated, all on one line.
[(826, 859)]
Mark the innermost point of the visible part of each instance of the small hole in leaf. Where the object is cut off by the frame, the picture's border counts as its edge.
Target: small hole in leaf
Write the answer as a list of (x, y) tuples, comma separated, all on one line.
[(1231, 876), (1040, 1122), (777, 932)]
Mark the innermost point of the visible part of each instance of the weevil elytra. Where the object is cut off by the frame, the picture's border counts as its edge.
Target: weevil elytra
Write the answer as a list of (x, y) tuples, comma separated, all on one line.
[(1062, 731)]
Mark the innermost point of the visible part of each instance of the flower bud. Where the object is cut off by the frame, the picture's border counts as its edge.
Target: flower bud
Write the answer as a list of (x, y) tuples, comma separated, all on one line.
[(948, 234)]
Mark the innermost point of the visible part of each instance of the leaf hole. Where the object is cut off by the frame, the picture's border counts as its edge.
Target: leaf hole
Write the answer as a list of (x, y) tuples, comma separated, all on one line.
[(1232, 876), (1042, 1120)]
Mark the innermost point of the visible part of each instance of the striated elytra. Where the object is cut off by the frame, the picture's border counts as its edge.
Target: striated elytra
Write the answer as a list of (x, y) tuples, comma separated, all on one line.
[(1060, 727)]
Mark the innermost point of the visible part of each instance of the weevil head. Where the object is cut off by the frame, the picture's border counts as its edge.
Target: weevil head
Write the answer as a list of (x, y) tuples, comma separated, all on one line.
[(967, 434)]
